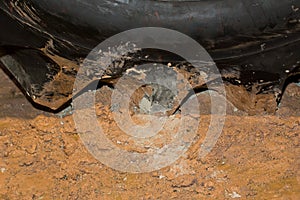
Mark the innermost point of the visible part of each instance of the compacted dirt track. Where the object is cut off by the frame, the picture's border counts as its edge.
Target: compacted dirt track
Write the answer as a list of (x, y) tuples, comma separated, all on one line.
[(43, 157)]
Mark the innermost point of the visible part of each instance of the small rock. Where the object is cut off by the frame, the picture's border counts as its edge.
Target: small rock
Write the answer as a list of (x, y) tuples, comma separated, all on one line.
[(161, 177), (2, 169), (235, 195)]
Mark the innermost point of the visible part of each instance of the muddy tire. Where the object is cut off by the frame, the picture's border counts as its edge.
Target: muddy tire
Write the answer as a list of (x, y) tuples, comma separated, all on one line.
[(252, 42)]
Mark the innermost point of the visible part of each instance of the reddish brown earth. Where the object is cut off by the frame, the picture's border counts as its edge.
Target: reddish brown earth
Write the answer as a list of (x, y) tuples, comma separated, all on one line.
[(43, 157)]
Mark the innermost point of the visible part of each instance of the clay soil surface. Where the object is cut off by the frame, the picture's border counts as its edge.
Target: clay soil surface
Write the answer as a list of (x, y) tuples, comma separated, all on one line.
[(43, 157)]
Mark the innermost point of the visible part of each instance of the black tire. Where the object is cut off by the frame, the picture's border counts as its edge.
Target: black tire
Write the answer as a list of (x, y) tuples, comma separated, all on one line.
[(248, 35)]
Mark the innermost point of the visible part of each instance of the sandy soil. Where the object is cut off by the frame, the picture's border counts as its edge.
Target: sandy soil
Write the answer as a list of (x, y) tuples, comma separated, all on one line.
[(43, 157)]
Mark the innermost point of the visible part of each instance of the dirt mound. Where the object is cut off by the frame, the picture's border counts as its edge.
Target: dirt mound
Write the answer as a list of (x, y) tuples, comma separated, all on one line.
[(43, 157)]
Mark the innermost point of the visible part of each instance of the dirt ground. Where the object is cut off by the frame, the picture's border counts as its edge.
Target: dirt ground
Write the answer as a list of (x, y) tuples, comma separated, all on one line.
[(43, 157)]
